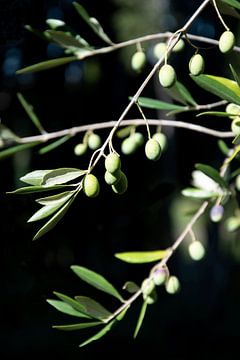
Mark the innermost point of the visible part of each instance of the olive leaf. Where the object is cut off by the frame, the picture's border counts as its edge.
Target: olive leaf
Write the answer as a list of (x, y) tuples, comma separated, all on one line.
[(233, 3), (7, 136), (100, 334), (66, 40), (216, 113), (15, 149), (140, 318), (55, 199), (158, 104), (54, 145), (80, 326), (235, 74), (141, 257), (131, 287), (73, 303), (65, 308), (93, 308), (38, 188), (30, 111), (180, 93), (223, 147), (198, 193), (212, 173), (62, 176), (35, 177), (48, 64)]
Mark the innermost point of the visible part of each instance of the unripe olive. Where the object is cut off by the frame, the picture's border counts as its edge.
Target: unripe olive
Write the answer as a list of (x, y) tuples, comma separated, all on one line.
[(233, 109), (138, 60), (160, 276), (153, 150), (196, 65), (238, 182), (129, 146), (172, 285), (179, 46), (80, 149), (167, 76), (159, 49), (138, 138), (232, 223), (112, 179), (226, 42), (121, 185), (151, 298), (216, 213), (196, 250), (235, 126), (94, 141), (112, 163), (162, 140), (91, 185), (147, 287)]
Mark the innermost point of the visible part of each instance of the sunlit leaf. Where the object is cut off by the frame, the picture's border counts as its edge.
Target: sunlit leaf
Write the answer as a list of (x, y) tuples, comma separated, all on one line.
[(141, 257), (93, 308), (62, 175), (55, 199), (30, 111), (157, 104), (96, 280), (100, 334), (224, 88), (15, 149), (35, 177), (73, 303), (198, 193), (92, 22), (54, 145), (65, 308), (140, 319), (36, 189), (74, 327), (212, 173), (48, 64)]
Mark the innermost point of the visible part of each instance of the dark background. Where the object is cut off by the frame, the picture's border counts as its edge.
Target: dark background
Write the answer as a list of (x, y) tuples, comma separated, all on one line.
[(203, 319)]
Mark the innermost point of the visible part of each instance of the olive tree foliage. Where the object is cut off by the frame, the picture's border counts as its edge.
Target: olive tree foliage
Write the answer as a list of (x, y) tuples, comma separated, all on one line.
[(213, 189)]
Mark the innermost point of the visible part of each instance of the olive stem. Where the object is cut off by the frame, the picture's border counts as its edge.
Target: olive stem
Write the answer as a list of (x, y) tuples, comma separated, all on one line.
[(145, 119), (219, 15)]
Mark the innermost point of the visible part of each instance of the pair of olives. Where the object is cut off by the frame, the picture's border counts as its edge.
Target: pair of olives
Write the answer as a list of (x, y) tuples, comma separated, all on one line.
[(114, 176), (93, 142)]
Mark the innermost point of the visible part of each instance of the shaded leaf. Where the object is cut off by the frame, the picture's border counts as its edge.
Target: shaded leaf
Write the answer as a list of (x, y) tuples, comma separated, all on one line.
[(72, 302), (226, 9), (184, 93), (233, 3), (131, 287), (198, 193), (224, 88), (54, 145), (7, 135), (73, 327), (234, 154), (65, 308), (92, 22), (216, 113), (48, 64), (30, 111), (96, 280), (212, 173), (223, 147), (36, 32), (34, 177), (235, 74), (55, 199), (15, 149), (66, 40), (140, 319), (93, 308), (157, 104), (100, 334), (62, 175), (35, 189), (141, 257)]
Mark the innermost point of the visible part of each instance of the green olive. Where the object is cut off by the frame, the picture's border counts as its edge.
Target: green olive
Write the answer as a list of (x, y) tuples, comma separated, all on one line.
[(147, 287), (129, 146), (167, 76), (159, 49), (80, 149), (226, 42), (160, 276), (153, 150), (162, 140), (179, 46), (94, 141), (172, 285), (233, 109), (91, 185), (235, 126), (138, 138), (196, 65), (216, 213), (122, 184), (138, 61), (112, 163), (112, 179), (238, 183), (151, 298), (196, 250)]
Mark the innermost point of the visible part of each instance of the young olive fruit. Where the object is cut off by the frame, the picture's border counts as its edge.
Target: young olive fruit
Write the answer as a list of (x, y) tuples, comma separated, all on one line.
[(128, 146), (138, 138), (216, 213), (112, 163), (196, 65), (147, 287), (179, 46), (159, 49), (196, 250), (120, 187), (151, 298), (160, 276), (235, 126), (91, 185), (238, 182), (162, 140), (112, 179), (233, 109), (153, 150), (172, 285), (226, 41), (80, 149), (232, 223), (167, 76), (138, 61), (94, 141)]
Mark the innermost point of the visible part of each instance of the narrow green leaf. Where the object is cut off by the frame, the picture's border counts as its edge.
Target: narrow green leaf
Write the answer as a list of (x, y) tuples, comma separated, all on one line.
[(93, 308), (36, 32), (235, 173), (233, 3), (224, 88), (120, 316), (54, 145), (7, 135), (66, 40), (92, 22), (36, 189), (223, 147), (131, 287), (236, 140), (62, 175), (234, 154), (215, 113), (142, 256), (96, 280), (54, 220), (198, 193), (73, 303), (140, 319), (124, 132), (15, 149), (157, 104), (47, 64), (55, 199), (100, 334), (212, 173), (235, 74), (226, 9), (65, 308), (30, 111), (34, 177), (74, 327), (184, 93)]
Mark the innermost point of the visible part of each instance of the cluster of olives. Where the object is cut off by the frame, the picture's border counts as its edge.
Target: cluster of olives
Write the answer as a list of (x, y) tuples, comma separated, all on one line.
[(92, 141), (114, 176)]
